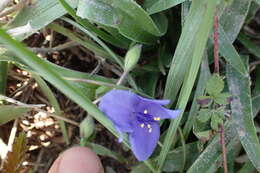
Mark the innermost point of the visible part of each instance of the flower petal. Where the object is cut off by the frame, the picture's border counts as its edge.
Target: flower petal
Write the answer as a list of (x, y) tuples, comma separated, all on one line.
[(144, 142), (160, 102), (156, 110), (119, 106)]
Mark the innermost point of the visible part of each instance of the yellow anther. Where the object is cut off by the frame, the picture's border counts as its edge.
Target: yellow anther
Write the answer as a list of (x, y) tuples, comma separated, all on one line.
[(148, 126), (145, 111), (150, 130), (142, 125), (157, 118)]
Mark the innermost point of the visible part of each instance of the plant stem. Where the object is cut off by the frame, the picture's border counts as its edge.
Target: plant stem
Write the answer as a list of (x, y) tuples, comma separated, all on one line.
[(224, 151), (216, 70), (216, 57), (122, 78)]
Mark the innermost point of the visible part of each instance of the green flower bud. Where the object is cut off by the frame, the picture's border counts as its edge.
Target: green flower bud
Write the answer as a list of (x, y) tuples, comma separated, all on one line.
[(86, 127), (132, 57)]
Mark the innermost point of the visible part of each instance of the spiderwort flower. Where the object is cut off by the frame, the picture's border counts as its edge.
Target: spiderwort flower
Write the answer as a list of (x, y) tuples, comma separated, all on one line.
[(137, 116)]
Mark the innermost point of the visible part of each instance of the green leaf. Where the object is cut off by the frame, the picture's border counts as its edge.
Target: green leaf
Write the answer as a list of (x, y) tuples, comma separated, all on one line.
[(250, 45), (161, 5), (10, 112), (204, 115), (40, 14), (248, 167), (127, 16), (204, 76), (222, 98), (53, 101), (230, 54), (215, 122), (241, 105), (196, 49), (92, 28), (215, 85), (174, 160), (204, 101), (140, 168), (183, 58), (211, 156), (103, 151), (203, 135), (233, 18), (255, 104)]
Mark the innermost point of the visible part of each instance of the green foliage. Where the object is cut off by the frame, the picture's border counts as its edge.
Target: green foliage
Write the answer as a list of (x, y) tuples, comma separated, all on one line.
[(213, 108), (214, 85), (11, 112)]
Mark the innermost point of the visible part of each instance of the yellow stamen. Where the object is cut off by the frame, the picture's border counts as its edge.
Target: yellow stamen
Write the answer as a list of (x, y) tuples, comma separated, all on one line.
[(148, 126), (145, 111), (142, 125), (150, 130), (157, 118)]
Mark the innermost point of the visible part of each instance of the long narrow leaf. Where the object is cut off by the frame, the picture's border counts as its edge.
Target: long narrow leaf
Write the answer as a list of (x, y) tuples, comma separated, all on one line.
[(201, 38), (241, 105)]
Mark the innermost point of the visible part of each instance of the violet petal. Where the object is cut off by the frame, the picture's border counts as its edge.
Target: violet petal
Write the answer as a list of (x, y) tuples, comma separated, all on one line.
[(119, 106), (143, 141)]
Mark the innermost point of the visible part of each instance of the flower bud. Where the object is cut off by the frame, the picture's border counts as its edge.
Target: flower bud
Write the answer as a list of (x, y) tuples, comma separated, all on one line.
[(87, 127), (132, 57)]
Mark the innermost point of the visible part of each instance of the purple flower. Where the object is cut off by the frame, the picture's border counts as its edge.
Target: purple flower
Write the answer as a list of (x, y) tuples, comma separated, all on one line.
[(137, 116)]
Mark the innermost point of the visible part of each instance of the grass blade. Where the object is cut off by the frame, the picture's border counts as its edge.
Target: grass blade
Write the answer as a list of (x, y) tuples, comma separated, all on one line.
[(201, 38), (161, 5), (10, 112), (241, 105), (53, 101)]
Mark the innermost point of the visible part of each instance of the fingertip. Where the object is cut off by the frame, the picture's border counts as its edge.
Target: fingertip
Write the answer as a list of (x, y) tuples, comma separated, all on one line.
[(78, 160)]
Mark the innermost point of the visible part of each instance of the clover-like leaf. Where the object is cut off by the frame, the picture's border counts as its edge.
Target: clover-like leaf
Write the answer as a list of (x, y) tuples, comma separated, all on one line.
[(215, 121), (204, 115), (204, 101), (215, 85), (222, 98)]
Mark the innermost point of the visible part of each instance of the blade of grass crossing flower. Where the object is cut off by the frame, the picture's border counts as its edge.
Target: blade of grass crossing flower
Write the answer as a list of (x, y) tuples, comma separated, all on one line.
[(204, 76), (183, 53), (53, 101), (201, 38), (68, 89), (241, 105)]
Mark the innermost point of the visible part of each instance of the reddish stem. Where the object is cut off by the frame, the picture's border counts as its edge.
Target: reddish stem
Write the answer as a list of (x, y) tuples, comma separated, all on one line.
[(216, 57), (216, 70), (224, 152)]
